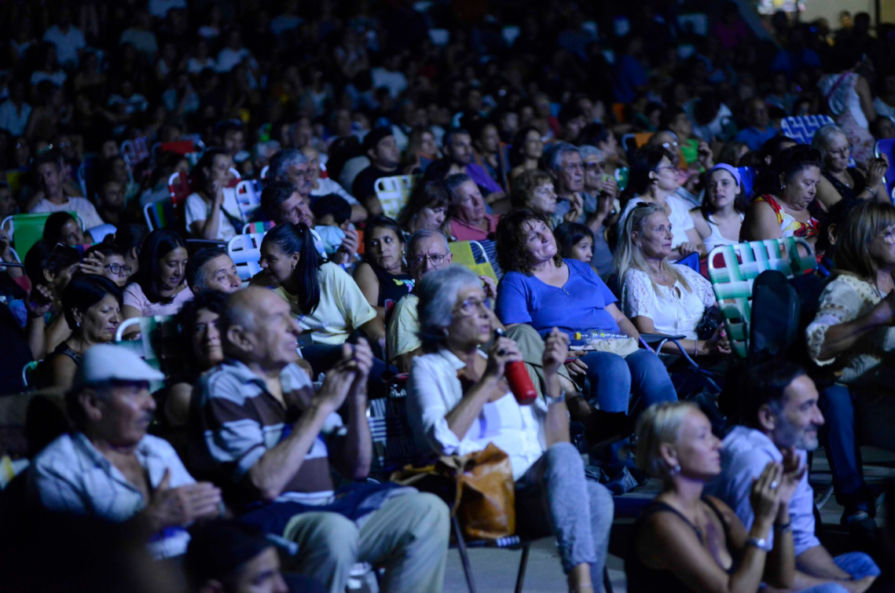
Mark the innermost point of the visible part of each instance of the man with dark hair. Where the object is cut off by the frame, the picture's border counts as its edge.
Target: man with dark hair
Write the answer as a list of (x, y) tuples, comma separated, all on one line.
[(571, 122), (458, 150), (380, 146), (48, 171), (282, 202), (109, 467), (233, 557), (779, 405), (212, 269), (276, 439)]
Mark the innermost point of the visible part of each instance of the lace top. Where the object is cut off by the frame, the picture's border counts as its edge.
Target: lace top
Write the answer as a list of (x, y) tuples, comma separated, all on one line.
[(674, 310), (843, 300)]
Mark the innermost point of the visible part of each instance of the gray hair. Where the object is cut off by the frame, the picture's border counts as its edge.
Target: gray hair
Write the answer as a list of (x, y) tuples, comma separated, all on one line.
[(281, 161), (822, 137), (422, 235), (588, 150), (453, 182), (438, 292), (555, 154)]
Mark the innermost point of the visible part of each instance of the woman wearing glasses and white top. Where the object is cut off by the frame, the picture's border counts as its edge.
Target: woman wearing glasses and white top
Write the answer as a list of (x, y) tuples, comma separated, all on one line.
[(653, 179)]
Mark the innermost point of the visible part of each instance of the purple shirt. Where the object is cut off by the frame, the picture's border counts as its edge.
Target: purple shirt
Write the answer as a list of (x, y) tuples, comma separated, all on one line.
[(482, 179), (744, 455)]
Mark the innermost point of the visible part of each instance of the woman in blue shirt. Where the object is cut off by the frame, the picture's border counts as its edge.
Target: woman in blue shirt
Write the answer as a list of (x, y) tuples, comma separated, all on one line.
[(544, 290)]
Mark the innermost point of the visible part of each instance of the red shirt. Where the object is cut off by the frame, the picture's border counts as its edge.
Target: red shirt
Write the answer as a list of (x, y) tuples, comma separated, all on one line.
[(465, 232)]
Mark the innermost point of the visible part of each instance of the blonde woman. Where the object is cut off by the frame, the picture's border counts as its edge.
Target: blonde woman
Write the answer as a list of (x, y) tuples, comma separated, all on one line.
[(687, 542), (657, 295)]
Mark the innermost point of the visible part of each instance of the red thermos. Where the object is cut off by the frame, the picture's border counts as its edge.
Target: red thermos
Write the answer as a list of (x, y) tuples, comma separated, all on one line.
[(517, 376)]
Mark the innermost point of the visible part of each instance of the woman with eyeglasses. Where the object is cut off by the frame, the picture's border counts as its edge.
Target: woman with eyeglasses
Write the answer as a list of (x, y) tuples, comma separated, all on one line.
[(384, 277), (839, 180), (105, 259), (544, 290), (796, 171), (327, 302), (159, 287), (92, 308), (459, 402), (653, 180)]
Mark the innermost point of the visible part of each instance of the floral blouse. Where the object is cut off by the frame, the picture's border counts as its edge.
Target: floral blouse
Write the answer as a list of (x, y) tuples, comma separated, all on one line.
[(844, 299)]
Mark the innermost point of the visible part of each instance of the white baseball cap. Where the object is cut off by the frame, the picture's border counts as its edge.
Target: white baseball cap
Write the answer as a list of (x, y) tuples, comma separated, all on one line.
[(104, 362)]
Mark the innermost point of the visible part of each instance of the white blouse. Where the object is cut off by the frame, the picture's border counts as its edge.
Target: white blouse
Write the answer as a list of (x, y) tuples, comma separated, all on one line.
[(434, 390), (674, 310), (870, 361)]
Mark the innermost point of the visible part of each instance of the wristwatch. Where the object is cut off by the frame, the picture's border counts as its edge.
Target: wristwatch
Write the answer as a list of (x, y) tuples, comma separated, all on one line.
[(555, 400), (760, 543)]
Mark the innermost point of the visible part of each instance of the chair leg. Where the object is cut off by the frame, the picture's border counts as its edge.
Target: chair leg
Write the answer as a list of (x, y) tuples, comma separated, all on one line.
[(523, 564), (464, 557)]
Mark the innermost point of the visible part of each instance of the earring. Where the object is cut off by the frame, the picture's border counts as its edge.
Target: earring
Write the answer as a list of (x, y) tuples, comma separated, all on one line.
[(674, 470)]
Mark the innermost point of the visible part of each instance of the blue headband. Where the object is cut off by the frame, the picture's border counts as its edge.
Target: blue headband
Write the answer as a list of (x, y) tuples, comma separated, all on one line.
[(732, 170)]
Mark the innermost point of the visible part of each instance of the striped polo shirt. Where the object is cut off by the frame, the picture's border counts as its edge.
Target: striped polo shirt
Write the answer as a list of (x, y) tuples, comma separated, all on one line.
[(242, 421)]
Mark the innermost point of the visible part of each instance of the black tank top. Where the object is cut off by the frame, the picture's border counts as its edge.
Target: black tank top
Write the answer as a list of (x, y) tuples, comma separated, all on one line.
[(392, 287), (644, 579)]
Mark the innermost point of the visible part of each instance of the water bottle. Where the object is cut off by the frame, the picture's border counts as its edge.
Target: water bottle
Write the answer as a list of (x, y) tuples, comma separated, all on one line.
[(517, 377)]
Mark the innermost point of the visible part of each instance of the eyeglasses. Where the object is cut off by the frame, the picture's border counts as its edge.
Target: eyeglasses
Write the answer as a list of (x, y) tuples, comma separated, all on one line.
[(118, 269), (593, 166), (469, 307), (669, 144), (436, 258)]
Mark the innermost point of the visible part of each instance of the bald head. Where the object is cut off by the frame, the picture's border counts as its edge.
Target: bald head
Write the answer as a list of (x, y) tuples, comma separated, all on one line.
[(257, 327)]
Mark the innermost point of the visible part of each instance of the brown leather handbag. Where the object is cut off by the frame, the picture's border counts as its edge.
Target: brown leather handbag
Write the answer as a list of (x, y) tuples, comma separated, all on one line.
[(478, 487)]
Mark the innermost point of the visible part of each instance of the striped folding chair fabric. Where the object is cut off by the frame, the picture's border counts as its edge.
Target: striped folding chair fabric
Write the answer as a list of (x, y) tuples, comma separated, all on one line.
[(27, 229), (471, 255), (248, 197), (801, 128), (258, 227), (393, 193), (733, 268), (245, 251), (161, 214), (747, 175)]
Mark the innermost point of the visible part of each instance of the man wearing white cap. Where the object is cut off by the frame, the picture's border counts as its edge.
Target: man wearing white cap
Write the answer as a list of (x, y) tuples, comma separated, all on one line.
[(109, 467)]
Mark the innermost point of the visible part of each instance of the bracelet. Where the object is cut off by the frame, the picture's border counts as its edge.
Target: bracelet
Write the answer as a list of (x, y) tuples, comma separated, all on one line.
[(786, 527), (555, 400)]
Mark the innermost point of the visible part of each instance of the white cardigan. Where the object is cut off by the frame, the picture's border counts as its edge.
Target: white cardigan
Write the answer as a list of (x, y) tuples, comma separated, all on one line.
[(434, 390)]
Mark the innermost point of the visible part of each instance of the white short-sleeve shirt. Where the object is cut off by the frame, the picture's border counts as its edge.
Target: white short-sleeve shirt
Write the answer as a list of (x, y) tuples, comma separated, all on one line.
[(674, 310), (197, 209)]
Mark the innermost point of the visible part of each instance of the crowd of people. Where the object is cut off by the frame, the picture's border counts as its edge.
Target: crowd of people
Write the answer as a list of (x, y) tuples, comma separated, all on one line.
[(593, 155)]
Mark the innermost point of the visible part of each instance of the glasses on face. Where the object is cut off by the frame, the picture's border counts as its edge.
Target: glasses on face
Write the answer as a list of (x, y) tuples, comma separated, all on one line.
[(118, 269), (436, 258), (470, 307), (593, 166), (669, 144)]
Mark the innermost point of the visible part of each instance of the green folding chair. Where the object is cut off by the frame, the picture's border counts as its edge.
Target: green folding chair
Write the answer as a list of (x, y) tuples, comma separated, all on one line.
[(733, 268), (27, 229), (463, 255)]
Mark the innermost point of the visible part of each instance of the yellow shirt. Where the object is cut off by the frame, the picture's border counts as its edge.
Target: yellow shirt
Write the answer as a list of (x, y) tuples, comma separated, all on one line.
[(403, 327), (342, 309)]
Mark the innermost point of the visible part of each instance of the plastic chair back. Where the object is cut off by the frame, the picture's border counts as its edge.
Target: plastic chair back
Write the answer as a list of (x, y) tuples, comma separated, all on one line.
[(28, 373), (733, 269), (801, 128), (887, 147), (135, 151), (161, 214), (393, 193), (258, 227), (462, 252), (179, 188), (248, 197), (245, 251)]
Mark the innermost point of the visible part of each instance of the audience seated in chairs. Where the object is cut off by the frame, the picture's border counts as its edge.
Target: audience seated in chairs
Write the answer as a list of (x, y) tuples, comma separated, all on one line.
[(778, 404), (92, 308), (108, 467), (545, 291), (159, 286), (275, 440), (659, 296), (459, 402), (210, 268), (105, 259), (533, 189), (380, 147), (469, 219), (686, 541), (49, 268), (840, 181), (526, 151), (62, 227), (384, 276)]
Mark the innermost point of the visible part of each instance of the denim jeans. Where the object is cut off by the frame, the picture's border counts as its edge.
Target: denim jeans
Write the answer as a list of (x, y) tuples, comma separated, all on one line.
[(857, 564), (843, 451), (613, 378), (554, 497)]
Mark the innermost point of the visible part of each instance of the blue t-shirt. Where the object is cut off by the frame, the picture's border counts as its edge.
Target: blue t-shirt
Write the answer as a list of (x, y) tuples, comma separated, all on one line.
[(755, 138), (580, 305)]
